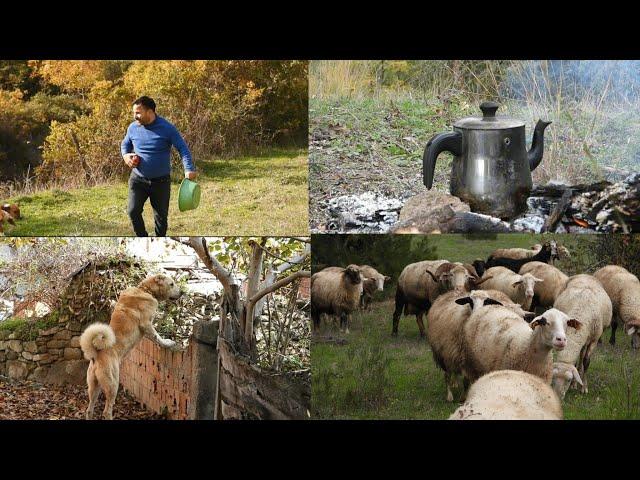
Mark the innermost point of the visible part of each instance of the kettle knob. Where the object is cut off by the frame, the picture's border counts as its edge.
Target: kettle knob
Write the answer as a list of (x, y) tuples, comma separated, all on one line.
[(489, 109)]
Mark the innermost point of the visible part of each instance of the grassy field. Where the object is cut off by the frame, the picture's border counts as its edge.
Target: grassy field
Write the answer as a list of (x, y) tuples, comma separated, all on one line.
[(252, 195), (369, 374), (377, 376)]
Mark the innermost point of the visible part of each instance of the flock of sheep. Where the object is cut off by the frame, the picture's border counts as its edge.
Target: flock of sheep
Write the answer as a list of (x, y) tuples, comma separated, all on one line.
[(481, 324)]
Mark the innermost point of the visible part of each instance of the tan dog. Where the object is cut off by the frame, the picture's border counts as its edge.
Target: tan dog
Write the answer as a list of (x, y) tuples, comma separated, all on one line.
[(106, 345), (5, 217)]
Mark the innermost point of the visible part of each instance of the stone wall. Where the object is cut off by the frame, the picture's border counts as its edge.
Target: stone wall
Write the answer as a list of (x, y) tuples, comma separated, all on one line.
[(53, 357)]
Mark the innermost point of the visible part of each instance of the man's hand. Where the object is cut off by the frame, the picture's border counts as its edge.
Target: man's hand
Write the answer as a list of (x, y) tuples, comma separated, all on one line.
[(131, 159), (190, 175)]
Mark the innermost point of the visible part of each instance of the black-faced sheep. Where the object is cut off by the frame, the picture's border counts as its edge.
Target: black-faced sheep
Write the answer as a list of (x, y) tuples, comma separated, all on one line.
[(546, 253), (336, 292), (554, 282), (585, 300), (518, 287), (510, 395), (495, 338), (445, 320), (623, 289), (421, 283)]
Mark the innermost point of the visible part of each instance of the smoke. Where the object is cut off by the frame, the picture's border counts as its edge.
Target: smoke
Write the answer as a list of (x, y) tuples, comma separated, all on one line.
[(615, 81)]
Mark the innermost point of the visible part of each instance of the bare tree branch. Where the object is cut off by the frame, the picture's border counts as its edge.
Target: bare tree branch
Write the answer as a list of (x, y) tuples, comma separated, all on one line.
[(270, 289)]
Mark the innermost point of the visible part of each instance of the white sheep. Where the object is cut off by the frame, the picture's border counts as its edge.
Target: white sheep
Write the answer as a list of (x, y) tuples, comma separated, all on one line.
[(623, 289), (519, 288), (554, 282), (495, 338), (445, 320), (585, 299), (510, 395)]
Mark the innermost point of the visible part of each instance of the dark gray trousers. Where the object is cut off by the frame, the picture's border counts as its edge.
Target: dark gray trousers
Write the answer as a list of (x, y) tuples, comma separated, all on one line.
[(158, 190)]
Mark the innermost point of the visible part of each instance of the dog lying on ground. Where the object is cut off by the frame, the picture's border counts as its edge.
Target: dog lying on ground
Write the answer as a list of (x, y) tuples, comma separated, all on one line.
[(106, 345)]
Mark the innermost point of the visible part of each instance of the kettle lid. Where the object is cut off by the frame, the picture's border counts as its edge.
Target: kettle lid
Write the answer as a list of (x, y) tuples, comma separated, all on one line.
[(488, 120)]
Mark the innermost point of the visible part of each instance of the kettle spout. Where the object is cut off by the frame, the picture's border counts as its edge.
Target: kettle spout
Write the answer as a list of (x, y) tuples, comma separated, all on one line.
[(537, 145)]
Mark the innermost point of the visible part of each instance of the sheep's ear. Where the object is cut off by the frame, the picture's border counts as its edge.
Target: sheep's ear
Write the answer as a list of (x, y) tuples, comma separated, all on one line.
[(631, 331), (516, 283), (465, 301), (535, 279), (491, 301), (528, 316), (387, 278), (538, 321), (572, 322), (576, 375)]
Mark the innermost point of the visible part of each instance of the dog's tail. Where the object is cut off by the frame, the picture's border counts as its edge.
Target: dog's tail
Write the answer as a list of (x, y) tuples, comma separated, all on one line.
[(97, 336)]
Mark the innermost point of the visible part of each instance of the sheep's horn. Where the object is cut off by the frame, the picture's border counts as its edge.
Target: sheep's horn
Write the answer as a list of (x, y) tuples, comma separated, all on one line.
[(432, 275), (483, 280)]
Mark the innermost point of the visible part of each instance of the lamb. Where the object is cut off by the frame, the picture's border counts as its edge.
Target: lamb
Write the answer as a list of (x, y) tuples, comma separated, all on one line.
[(421, 283), (518, 287), (336, 292), (373, 281), (510, 395), (546, 253), (623, 289), (584, 299), (495, 338), (444, 327), (554, 282)]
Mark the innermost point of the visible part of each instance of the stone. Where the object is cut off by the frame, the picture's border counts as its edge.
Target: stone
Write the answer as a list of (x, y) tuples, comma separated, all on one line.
[(72, 354), (49, 331), (17, 370), (31, 347), (42, 358), (74, 326), (3, 357), (12, 355), (437, 212), (39, 374), (4, 334), (75, 342), (57, 343), (42, 349), (4, 345), (56, 352), (26, 355), (63, 335), (70, 371), (12, 336), (15, 345)]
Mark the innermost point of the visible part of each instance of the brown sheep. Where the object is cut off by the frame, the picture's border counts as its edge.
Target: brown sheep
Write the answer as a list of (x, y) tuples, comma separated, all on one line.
[(421, 283), (336, 291)]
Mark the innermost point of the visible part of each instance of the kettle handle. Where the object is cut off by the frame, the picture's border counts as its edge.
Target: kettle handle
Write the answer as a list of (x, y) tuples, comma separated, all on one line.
[(442, 142)]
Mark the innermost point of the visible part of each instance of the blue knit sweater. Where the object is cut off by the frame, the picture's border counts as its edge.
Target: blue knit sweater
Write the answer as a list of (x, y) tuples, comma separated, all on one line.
[(153, 143)]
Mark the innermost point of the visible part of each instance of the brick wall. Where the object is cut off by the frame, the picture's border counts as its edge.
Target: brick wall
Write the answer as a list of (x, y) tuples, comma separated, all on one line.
[(304, 290), (159, 378)]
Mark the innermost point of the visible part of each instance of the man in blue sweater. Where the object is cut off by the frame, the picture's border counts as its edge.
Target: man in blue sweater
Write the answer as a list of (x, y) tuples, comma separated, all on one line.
[(146, 149)]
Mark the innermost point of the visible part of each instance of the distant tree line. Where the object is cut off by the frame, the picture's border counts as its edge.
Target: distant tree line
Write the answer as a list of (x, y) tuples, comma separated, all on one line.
[(64, 119)]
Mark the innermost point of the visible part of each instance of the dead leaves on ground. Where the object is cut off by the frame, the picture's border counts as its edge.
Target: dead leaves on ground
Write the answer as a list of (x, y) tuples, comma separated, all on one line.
[(26, 400)]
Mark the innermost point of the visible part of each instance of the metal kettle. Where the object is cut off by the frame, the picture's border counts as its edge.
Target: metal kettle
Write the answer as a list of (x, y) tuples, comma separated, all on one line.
[(491, 167)]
